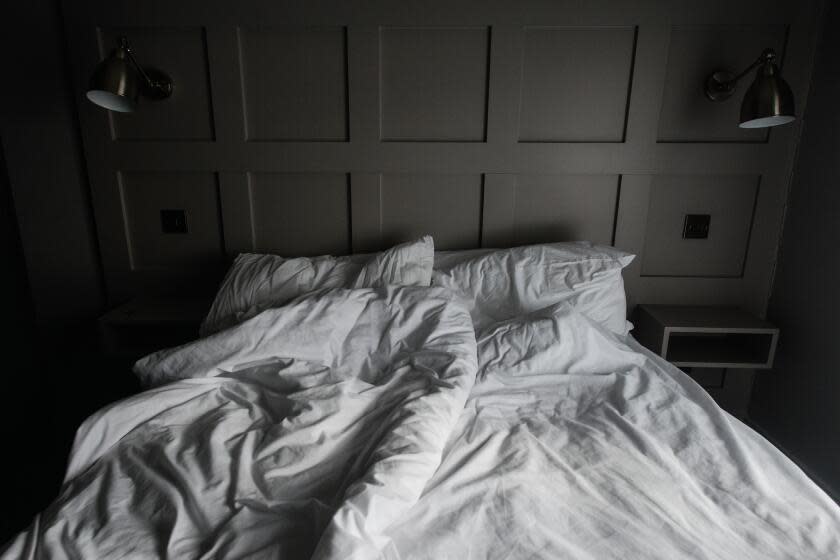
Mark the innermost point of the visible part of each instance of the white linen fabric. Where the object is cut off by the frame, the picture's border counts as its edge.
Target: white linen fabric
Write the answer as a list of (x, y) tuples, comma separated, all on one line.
[(301, 433), (257, 282), (502, 284), (371, 424), (576, 443)]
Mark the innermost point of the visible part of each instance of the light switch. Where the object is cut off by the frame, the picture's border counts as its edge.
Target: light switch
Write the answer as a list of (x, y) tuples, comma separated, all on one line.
[(173, 221), (696, 226)]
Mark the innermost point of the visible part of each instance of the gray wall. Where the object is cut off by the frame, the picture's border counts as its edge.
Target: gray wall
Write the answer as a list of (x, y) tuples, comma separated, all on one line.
[(343, 126), (42, 146), (338, 126), (798, 403)]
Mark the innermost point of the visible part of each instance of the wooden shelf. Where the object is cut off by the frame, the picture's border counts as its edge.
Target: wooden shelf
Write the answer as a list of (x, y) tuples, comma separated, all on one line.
[(729, 350), (706, 337), (145, 325)]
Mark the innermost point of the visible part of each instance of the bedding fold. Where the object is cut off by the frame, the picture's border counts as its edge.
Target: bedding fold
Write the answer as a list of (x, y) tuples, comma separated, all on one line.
[(307, 430), (579, 443), (375, 423)]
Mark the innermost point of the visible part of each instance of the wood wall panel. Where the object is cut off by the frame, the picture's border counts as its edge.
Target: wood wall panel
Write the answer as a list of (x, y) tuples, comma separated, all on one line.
[(445, 206), (300, 213), (294, 83), (235, 199), (338, 126), (575, 83), (434, 83), (729, 200), (523, 209), (144, 194), (565, 208), (366, 212)]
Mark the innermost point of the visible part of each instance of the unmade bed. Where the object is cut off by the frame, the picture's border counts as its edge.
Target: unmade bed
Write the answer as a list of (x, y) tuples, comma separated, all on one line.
[(483, 404)]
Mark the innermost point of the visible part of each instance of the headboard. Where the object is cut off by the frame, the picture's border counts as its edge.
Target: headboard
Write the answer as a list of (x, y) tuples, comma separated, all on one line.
[(344, 126)]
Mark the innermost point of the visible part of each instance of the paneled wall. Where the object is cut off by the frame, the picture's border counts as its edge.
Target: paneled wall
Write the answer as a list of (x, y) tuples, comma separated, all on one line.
[(335, 127)]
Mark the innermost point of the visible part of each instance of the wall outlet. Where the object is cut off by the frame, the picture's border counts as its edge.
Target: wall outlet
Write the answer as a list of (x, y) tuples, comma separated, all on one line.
[(696, 226), (173, 221)]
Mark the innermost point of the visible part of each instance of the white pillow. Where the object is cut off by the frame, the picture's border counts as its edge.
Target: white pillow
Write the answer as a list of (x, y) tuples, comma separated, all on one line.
[(255, 282), (557, 339), (501, 284)]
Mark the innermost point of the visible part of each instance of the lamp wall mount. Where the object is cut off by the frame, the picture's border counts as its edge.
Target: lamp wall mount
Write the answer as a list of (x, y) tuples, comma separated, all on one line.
[(721, 84), (159, 84)]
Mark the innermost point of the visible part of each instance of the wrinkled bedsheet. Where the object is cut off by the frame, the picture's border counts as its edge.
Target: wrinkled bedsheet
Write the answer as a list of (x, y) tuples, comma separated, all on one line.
[(304, 432), (375, 424), (576, 443)]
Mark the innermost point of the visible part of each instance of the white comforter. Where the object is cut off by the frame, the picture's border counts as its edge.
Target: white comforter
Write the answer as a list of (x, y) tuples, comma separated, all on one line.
[(347, 426), (305, 431), (577, 444)]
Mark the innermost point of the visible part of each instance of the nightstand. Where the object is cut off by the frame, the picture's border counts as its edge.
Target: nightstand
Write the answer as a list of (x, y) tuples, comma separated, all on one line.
[(720, 347), (144, 325)]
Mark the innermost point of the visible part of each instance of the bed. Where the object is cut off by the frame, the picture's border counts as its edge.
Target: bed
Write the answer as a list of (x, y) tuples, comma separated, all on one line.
[(485, 404)]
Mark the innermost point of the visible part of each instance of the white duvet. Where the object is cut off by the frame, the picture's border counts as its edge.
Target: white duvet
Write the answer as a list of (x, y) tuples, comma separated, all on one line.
[(369, 423)]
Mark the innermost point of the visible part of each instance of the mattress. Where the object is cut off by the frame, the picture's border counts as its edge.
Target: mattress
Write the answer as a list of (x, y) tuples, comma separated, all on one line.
[(376, 423)]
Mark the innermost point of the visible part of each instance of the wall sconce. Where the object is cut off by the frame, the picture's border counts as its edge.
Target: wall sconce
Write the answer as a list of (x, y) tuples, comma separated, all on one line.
[(768, 101), (118, 79)]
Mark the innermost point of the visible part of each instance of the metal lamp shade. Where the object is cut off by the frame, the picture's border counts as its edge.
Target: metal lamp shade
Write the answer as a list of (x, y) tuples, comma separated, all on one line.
[(114, 84), (768, 101)]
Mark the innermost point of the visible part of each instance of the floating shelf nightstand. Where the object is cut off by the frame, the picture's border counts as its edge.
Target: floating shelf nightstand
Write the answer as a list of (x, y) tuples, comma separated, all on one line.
[(706, 337), (145, 325), (708, 341)]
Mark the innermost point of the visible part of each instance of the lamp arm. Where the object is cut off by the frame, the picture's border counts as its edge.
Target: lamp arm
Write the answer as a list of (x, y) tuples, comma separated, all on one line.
[(767, 55), (149, 82)]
